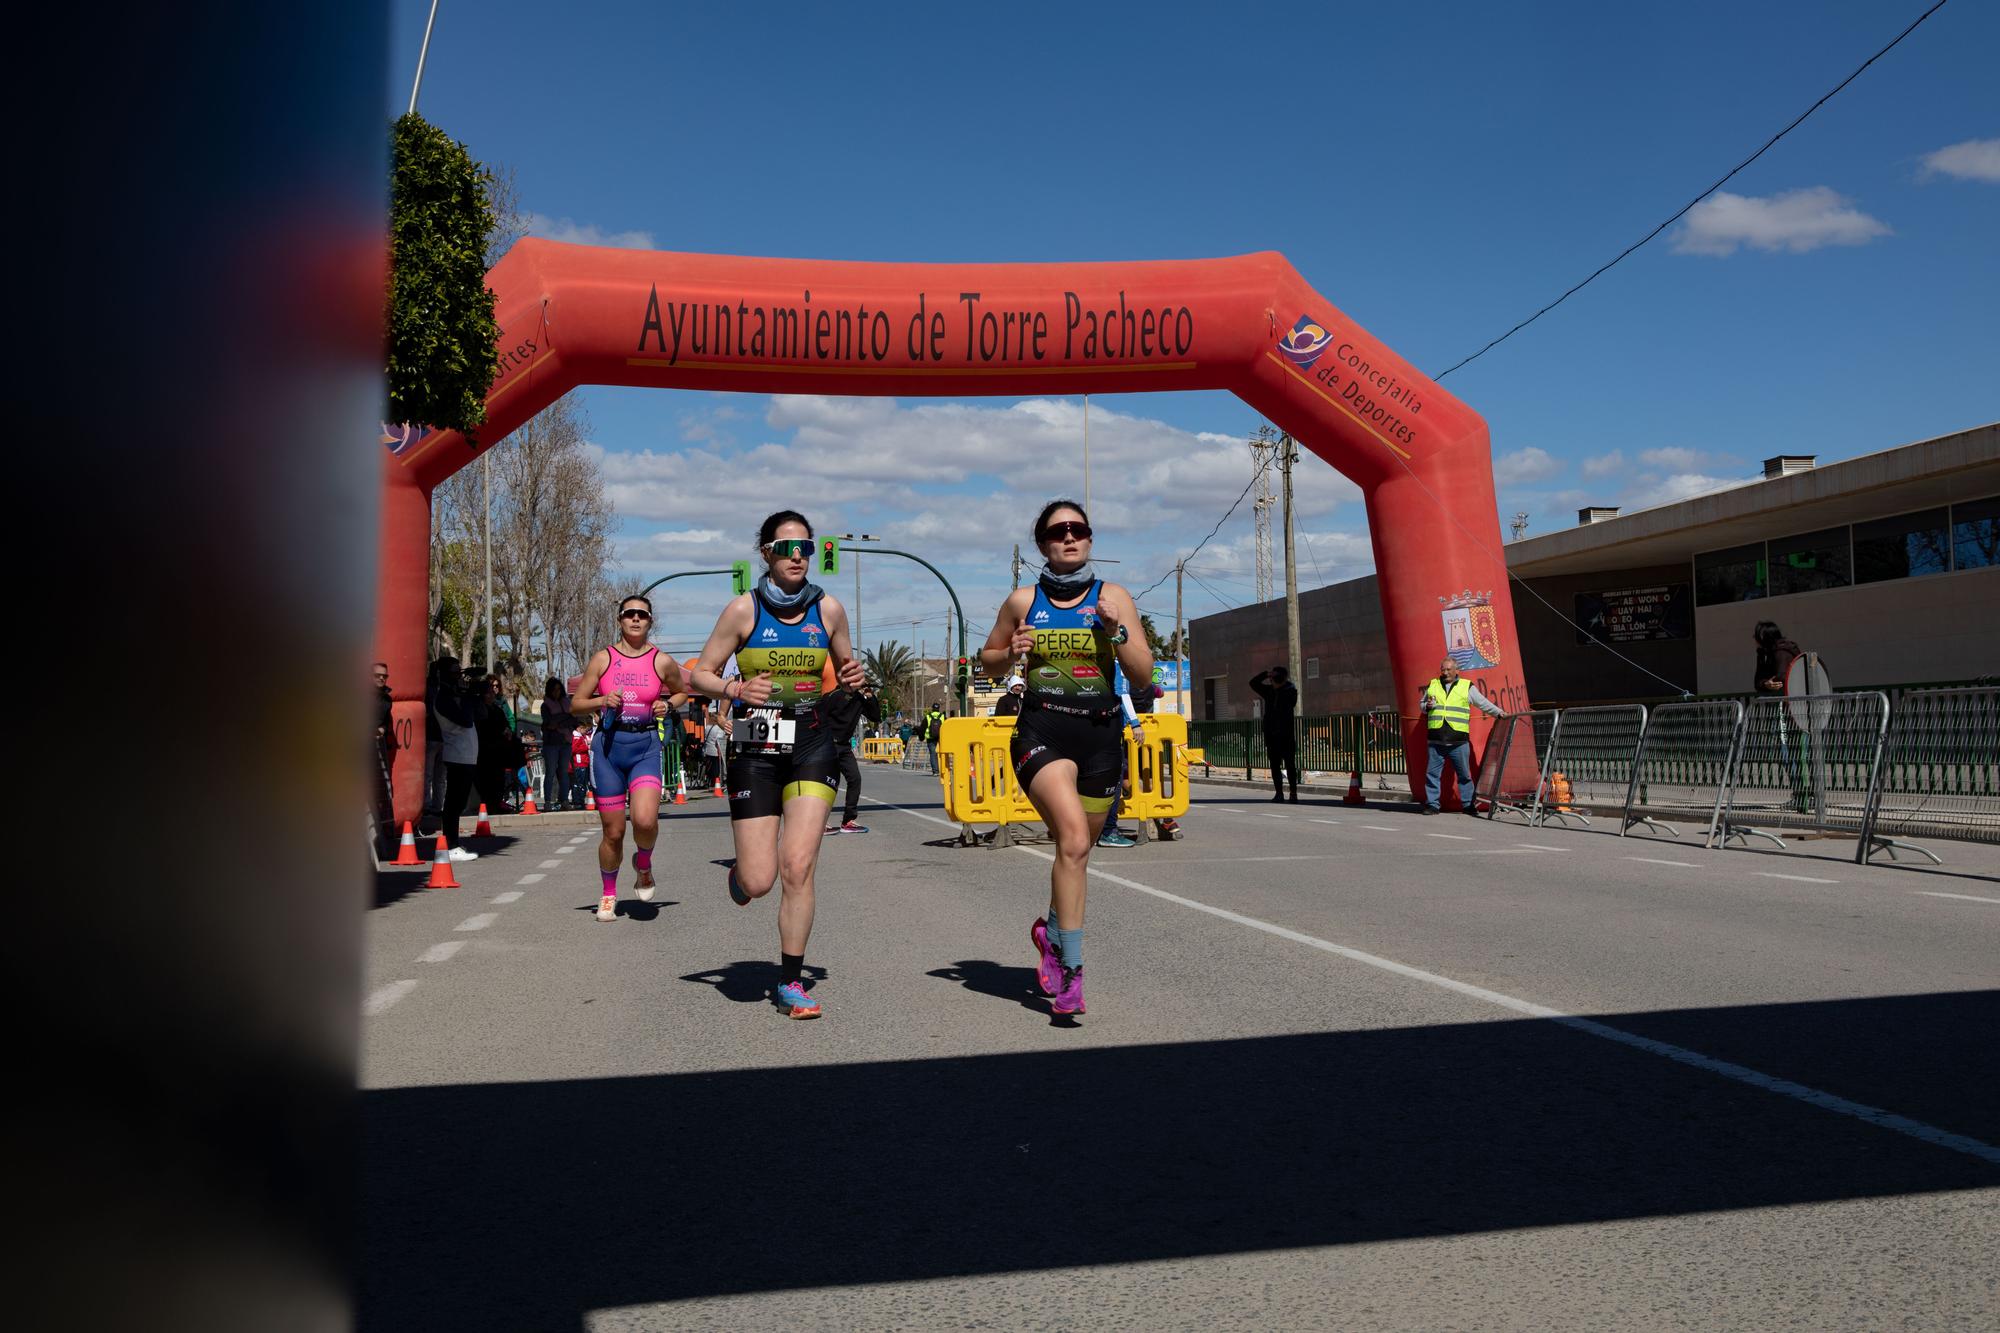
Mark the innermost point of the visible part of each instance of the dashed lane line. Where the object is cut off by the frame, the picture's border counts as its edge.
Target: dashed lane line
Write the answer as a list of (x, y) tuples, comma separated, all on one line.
[(1656, 861), (1801, 879), (1541, 847), (1455, 837), (1825, 1101), (550, 865), (1268, 815), (1382, 828), (1962, 897), (511, 896), (564, 851), (438, 953), (1326, 821), (478, 922), (384, 998), (536, 878)]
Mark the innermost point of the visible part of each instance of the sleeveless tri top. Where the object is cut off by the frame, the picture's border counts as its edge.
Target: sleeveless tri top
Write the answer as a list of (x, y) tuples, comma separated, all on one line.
[(639, 679), (795, 655), (1073, 658)]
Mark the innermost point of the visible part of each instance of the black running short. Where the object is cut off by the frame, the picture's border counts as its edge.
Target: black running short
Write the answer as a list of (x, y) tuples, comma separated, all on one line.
[(1095, 742), (760, 781)]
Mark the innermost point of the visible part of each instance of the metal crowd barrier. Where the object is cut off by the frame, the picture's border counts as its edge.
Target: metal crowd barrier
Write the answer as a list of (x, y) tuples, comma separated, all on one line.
[(1939, 775), (1591, 760), (1516, 763), (976, 771), (1683, 762), (882, 749), (1805, 762)]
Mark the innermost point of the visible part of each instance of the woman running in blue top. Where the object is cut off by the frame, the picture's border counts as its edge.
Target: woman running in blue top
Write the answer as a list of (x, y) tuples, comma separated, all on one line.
[(782, 762), (1068, 742)]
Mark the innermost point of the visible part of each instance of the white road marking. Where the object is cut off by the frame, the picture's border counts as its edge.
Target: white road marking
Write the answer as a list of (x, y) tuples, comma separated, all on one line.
[(437, 953), (1455, 837), (1656, 861), (479, 922), (1268, 815), (1326, 821), (1826, 1101), (511, 896), (1803, 879), (564, 851), (550, 865), (581, 837), (1220, 860), (1382, 828), (1540, 847), (1487, 851), (531, 879), (1962, 897), (385, 998)]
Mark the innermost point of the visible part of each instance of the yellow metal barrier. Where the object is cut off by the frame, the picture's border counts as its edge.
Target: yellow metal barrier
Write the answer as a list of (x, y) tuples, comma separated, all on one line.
[(976, 771), (882, 750)]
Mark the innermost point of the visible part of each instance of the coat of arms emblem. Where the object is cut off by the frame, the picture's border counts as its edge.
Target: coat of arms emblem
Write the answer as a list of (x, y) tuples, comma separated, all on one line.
[(1471, 631)]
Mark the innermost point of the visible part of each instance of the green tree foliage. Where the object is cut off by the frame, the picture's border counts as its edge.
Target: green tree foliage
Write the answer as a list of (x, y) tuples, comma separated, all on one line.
[(890, 666), (441, 326)]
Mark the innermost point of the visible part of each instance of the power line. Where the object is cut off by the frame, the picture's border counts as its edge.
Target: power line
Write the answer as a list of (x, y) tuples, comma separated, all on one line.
[(1210, 591), (1211, 532), (1768, 143)]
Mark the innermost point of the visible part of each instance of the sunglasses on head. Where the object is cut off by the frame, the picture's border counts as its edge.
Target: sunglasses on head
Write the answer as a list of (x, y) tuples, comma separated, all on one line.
[(635, 613), (1056, 532), (790, 548)]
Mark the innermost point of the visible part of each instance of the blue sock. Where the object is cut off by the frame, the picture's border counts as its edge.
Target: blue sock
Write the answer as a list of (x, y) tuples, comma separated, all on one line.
[(1071, 947), (1055, 933)]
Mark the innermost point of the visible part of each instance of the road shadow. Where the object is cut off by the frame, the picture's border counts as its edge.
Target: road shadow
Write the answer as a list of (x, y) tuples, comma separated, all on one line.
[(1160, 1152), (392, 886), (984, 977), (633, 909), (752, 981)]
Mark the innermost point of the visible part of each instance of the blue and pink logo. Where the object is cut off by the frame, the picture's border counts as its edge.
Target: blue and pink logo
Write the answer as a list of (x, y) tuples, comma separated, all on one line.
[(1303, 345)]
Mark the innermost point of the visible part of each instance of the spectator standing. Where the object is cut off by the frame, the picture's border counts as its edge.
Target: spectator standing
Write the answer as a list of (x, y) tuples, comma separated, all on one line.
[(1447, 706), (459, 707), (1775, 654), (579, 759), (1009, 704), (844, 709), (496, 743), (714, 745), (1281, 741), (933, 724), (434, 774), (558, 731)]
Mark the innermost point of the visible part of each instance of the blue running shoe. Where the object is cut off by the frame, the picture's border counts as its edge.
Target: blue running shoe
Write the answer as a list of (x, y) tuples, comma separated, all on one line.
[(1111, 837), (792, 998), (736, 895)]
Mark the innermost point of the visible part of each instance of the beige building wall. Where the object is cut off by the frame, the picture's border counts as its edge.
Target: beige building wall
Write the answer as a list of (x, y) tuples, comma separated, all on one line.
[(1944, 627)]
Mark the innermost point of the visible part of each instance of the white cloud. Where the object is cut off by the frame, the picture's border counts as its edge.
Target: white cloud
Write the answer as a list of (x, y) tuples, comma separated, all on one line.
[(1681, 459), (1796, 220), (1604, 465), (1524, 465), (587, 233), (1652, 491), (1973, 160)]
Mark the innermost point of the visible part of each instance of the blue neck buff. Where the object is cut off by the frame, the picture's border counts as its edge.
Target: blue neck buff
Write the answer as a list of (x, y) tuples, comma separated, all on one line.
[(779, 600), (1071, 584)]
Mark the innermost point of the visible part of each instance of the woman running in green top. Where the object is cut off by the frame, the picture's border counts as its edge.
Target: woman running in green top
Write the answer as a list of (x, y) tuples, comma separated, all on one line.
[(1070, 736)]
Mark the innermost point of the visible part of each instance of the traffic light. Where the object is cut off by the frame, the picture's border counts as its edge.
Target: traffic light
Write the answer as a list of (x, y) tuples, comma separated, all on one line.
[(739, 576), (829, 555), (964, 672)]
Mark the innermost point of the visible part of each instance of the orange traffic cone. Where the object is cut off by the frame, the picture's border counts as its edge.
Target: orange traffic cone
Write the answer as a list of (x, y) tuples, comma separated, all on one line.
[(484, 828), (528, 806), (406, 855), (680, 787), (589, 799), (1353, 796), (441, 876), (718, 786)]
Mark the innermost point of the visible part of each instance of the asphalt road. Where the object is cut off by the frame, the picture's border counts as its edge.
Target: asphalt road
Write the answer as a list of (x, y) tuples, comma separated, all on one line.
[(1342, 1068)]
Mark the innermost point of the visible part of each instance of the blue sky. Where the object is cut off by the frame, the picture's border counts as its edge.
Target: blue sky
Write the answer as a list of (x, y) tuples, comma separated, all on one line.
[(1438, 171)]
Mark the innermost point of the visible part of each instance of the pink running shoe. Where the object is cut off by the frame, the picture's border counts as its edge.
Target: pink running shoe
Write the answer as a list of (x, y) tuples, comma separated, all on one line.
[(1069, 1000), (1049, 971)]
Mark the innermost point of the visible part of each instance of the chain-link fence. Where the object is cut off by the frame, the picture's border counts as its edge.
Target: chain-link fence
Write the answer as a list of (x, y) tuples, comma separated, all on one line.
[(1682, 765), (1805, 762), (1940, 772), (1515, 765)]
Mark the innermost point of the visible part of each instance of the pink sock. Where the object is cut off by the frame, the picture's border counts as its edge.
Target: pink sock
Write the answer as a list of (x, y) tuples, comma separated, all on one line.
[(610, 883), (643, 859)]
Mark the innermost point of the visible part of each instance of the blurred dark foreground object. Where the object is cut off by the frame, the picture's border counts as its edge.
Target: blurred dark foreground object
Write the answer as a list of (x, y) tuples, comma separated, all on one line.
[(196, 399)]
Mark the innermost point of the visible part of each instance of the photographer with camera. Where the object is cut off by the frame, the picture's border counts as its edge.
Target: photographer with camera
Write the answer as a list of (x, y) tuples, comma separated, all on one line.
[(1281, 742), (459, 706)]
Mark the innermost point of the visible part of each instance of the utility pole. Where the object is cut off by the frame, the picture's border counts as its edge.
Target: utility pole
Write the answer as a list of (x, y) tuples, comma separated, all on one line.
[(423, 53), (1017, 564), (1086, 457), (486, 483), (1288, 453), (1261, 446), (1180, 653)]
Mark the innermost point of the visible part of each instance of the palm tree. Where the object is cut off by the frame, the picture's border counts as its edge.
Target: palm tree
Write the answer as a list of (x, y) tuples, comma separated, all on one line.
[(890, 665)]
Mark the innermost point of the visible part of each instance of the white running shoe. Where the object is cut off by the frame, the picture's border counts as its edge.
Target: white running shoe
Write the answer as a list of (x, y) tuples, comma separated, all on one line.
[(462, 854), (607, 908), (644, 892)]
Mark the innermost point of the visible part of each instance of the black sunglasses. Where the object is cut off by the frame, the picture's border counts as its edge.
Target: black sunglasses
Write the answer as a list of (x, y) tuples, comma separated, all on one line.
[(635, 613), (1055, 532)]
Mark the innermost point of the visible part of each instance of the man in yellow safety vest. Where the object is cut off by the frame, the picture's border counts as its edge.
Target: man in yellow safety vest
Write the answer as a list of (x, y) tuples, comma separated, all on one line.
[(1447, 706)]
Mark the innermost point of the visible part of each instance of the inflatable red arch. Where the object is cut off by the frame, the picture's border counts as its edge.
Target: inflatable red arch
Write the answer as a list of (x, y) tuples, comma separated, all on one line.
[(572, 315)]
